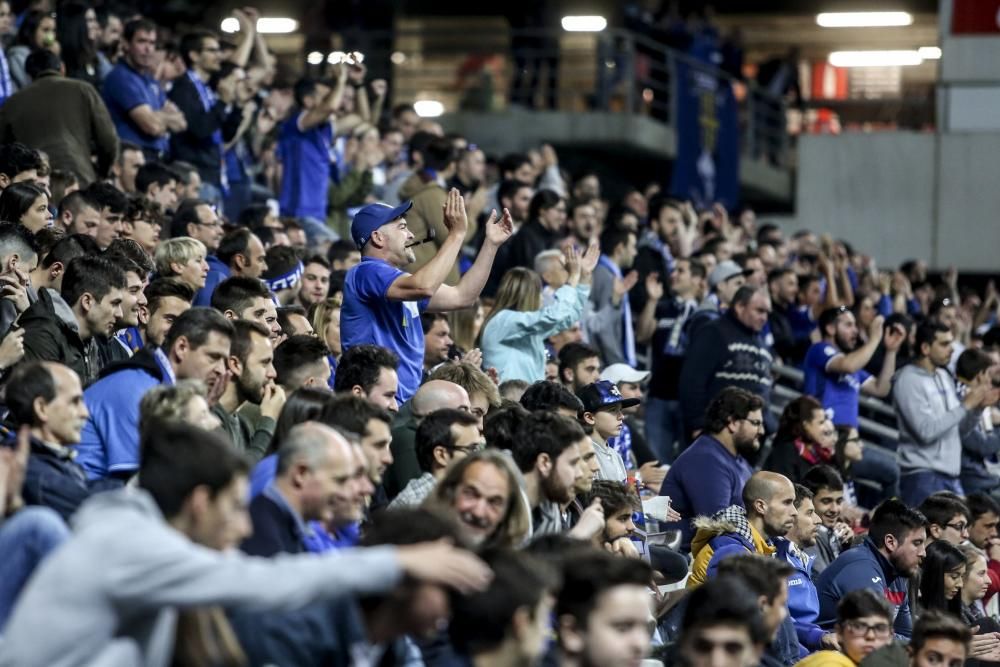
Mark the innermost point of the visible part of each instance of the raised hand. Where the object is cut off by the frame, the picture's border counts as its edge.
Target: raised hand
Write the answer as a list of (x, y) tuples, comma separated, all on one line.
[(894, 337), (498, 232), (442, 563), (591, 521), (474, 357), (273, 401), (876, 328), (654, 288), (379, 87), (572, 264), (455, 218), (588, 262), (549, 157), (622, 286)]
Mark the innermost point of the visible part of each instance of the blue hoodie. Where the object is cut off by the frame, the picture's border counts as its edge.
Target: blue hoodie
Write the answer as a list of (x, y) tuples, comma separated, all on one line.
[(864, 567), (803, 600)]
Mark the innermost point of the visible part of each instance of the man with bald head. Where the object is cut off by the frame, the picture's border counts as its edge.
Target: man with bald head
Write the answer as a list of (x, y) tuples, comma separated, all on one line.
[(315, 473), (768, 512), (432, 396)]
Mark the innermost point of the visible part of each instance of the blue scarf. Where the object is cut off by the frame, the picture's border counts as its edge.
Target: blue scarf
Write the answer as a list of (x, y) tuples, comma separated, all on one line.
[(629, 338)]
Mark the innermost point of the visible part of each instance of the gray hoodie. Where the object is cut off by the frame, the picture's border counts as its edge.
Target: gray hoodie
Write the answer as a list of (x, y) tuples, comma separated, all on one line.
[(932, 421), (109, 596)]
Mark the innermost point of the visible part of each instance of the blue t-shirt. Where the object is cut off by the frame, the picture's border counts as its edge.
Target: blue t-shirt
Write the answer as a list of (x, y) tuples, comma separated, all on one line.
[(369, 317), (305, 157), (802, 322), (838, 392), (125, 89)]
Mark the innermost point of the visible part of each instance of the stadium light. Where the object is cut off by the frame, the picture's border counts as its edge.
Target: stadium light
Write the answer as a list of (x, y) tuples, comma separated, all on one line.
[(314, 58), (265, 25), (584, 23), (863, 19), (428, 108), (874, 58), (930, 52)]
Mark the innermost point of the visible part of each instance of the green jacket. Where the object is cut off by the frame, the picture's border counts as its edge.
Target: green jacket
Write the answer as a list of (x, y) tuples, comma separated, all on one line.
[(254, 440)]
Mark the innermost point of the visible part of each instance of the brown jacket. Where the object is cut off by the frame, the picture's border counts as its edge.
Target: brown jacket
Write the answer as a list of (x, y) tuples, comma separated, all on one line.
[(428, 212), (65, 118)]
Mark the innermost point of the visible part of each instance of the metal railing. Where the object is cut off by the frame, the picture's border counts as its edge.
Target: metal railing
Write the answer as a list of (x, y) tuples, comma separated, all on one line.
[(612, 71)]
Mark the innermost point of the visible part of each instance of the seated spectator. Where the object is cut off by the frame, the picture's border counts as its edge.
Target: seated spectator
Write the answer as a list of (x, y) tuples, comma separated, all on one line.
[(430, 397), (79, 213), (197, 219), (112, 205), (505, 624), (166, 300), (618, 502), (369, 371), (61, 326), (579, 365), (284, 273), (302, 361), (724, 281), (315, 282), (602, 412), (632, 438), (834, 534), (18, 163), (251, 380), (294, 322), (126, 257), (26, 204), (884, 562), (438, 343), (482, 390), (981, 443), (551, 397), (938, 638), (941, 575), (948, 518), (443, 437), (196, 347), (194, 481), (975, 589), (932, 418), (733, 425), (142, 223), (189, 183), (182, 259), (49, 401), (242, 253), (246, 299), (728, 352), (722, 615), (157, 182), (185, 402), (343, 255), (512, 390), (864, 625), (63, 117), (513, 335), (124, 169), (805, 437), (769, 502), (324, 322), (19, 252)]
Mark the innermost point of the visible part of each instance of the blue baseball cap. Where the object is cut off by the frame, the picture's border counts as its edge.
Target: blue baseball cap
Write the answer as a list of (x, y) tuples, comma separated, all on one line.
[(373, 216), (602, 395)]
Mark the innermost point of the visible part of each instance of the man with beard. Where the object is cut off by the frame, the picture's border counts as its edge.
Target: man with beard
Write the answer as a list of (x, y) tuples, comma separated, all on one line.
[(734, 424), (884, 563), (769, 499), (803, 601), (251, 379), (547, 452), (582, 222), (835, 367), (619, 502)]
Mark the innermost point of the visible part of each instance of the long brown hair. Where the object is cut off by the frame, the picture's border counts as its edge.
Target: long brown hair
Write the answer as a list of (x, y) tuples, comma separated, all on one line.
[(520, 290)]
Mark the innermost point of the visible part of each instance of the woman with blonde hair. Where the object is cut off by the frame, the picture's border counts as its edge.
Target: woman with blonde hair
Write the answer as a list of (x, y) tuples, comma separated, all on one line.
[(183, 259), (325, 319), (465, 326), (513, 337)]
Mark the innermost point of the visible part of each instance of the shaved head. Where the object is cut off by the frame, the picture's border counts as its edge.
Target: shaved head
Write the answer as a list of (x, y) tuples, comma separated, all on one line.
[(437, 395), (765, 486)]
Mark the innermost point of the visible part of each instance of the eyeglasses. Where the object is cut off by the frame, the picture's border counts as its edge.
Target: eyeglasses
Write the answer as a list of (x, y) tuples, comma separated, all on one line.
[(704, 646), (216, 223), (471, 449), (756, 423), (958, 527), (860, 629)]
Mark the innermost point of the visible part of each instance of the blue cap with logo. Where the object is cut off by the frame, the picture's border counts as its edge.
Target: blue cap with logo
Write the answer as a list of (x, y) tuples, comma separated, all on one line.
[(602, 395), (373, 216)]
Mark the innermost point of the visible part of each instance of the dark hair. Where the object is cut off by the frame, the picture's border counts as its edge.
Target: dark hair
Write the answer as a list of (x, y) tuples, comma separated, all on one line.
[(428, 318), (724, 601), (439, 153), (133, 252), (253, 216), (927, 333), (806, 280), (589, 574), (361, 366), (511, 162), (340, 250), (107, 196), (45, 240), (33, 380), (659, 202), (730, 404), (178, 458), (238, 293), (500, 426), (29, 25), (745, 294), (41, 60), (16, 158), (194, 41), (137, 25), (942, 557), (543, 201), (893, 517), (778, 274), (303, 405), (77, 49), (285, 315), (547, 395), (572, 354), (60, 181), (242, 341), (74, 202), (409, 526), (933, 623), (615, 496), (480, 621), (161, 288), (316, 259), (96, 276), (351, 414), (822, 477), (17, 199), (196, 324), (236, 242), (435, 431), (153, 172), (544, 433), (186, 214), (795, 414), (15, 238), (337, 279), (418, 144), (294, 354), (612, 237), (802, 494), (763, 575), (940, 509), (69, 248), (970, 363), (280, 260), (830, 316), (980, 504), (861, 603), (509, 188)]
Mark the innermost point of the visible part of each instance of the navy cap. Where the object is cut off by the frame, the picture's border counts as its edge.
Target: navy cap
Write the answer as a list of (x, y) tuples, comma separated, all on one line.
[(602, 395), (373, 216)]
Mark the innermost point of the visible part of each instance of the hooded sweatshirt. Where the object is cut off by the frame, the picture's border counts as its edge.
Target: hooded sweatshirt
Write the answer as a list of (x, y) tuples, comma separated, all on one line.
[(803, 600), (726, 534), (110, 595), (51, 333)]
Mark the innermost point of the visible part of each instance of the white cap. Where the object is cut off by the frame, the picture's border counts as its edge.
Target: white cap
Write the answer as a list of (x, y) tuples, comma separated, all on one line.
[(618, 373)]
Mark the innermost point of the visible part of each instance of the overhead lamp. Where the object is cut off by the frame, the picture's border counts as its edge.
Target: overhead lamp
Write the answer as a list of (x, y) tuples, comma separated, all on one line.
[(584, 23), (428, 108), (863, 19), (265, 25), (930, 52), (874, 58), (314, 58)]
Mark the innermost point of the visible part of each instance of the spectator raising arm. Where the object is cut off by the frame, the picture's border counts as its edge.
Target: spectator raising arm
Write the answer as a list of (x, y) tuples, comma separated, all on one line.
[(882, 385), (322, 112), (248, 30)]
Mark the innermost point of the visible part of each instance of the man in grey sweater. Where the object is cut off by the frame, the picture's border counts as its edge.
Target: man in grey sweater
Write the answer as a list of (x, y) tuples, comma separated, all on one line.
[(111, 595), (932, 419)]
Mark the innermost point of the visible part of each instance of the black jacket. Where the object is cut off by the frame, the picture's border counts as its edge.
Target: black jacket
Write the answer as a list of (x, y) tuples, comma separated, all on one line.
[(195, 144), (53, 480), (275, 530), (52, 334), (520, 250)]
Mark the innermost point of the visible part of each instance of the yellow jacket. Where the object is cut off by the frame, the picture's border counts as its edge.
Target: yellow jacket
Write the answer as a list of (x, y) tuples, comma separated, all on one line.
[(728, 533), (825, 659)]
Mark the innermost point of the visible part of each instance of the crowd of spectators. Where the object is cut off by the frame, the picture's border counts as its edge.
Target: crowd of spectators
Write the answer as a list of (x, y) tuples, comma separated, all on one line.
[(294, 377)]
